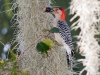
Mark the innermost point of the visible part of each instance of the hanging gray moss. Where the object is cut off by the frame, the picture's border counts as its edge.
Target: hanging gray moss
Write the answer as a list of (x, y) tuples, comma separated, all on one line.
[(32, 20)]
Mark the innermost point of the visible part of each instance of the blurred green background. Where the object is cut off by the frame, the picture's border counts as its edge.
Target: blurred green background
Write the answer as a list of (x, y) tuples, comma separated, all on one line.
[(6, 31)]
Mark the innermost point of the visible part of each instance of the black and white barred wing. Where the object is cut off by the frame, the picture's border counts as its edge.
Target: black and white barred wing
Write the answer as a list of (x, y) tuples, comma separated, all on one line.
[(65, 34)]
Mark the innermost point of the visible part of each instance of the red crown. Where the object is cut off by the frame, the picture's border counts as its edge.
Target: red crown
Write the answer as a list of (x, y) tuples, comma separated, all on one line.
[(63, 15)]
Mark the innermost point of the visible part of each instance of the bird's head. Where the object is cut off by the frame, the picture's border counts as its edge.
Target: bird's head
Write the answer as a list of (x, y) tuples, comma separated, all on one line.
[(57, 12)]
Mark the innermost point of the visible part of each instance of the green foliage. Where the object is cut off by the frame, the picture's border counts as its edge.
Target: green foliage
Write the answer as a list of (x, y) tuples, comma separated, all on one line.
[(42, 47), (54, 30), (49, 42), (12, 62)]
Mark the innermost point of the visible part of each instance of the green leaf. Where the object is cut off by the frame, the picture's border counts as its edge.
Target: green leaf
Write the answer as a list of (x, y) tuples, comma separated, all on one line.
[(54, 30), (42, 47), (49, 42)]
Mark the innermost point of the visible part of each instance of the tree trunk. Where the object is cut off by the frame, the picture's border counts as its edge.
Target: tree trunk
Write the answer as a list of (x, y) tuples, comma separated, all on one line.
[(32, 20)]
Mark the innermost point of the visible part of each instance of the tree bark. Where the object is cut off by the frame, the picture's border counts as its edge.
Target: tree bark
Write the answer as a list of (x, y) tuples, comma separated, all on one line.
[(32, 20)]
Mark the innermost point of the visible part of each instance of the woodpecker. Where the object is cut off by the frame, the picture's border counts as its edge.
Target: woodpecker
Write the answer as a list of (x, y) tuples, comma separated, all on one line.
[(64, 36)]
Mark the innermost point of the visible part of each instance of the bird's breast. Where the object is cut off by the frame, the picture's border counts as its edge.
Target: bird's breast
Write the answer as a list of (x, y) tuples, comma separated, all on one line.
[(58, 38)]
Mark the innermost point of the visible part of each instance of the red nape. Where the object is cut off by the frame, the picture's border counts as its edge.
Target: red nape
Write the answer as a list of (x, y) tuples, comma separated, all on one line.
[(63, 15)]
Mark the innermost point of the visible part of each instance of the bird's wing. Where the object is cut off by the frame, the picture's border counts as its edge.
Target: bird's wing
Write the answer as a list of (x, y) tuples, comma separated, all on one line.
[(65, 33)]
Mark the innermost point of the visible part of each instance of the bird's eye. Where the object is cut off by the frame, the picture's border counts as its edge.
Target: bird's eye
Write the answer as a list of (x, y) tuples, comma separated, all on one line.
[(52, 10), (57, 9)]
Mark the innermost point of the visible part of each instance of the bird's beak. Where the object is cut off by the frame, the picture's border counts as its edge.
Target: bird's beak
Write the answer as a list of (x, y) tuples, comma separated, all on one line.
[(48, 9)]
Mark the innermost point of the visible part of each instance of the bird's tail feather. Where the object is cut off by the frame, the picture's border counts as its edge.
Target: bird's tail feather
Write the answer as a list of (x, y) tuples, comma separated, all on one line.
[(69, 60), (69, 55)]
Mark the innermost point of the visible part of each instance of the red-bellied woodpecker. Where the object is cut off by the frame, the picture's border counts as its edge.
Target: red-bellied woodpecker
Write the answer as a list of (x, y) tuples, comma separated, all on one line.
[(64, 35)]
